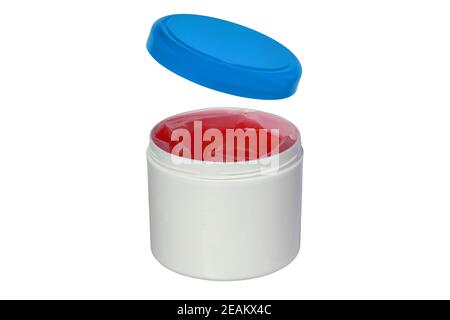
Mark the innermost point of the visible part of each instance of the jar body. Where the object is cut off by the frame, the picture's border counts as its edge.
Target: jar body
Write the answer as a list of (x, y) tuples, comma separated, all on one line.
[(225, 229)]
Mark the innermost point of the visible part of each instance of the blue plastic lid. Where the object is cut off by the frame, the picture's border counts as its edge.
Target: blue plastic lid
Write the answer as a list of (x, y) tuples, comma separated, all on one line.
[(224, 56)]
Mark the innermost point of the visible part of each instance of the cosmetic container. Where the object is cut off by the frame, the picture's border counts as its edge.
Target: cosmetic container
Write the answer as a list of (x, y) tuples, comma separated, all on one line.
[(225, 184)]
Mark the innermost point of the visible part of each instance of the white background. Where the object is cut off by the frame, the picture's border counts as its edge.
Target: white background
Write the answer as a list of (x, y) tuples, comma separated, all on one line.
[(79, 95)]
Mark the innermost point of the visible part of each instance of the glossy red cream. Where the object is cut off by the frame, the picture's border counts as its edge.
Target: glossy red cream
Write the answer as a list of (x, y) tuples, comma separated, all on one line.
[(198, 123)]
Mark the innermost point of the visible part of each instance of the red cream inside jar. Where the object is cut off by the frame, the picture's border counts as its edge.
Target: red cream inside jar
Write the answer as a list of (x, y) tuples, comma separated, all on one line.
[(225, 135)]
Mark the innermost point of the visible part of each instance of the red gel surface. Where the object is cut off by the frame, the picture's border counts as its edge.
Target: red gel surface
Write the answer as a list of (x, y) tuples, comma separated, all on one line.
[(223, 119)]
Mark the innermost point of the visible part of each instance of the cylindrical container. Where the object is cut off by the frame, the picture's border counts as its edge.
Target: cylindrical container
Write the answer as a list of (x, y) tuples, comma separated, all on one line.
[(218, 209), (225, 220)]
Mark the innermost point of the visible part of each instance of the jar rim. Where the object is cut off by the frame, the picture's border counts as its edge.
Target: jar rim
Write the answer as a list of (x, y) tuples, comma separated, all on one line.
[(261, 134), (225, 170)]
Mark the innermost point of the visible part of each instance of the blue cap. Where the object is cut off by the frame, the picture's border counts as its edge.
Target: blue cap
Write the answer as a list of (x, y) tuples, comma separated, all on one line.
[(224, 56)]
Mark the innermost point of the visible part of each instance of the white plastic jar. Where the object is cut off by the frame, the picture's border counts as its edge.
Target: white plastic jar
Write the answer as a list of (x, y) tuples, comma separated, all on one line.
[(225, 220), (225, 217)]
